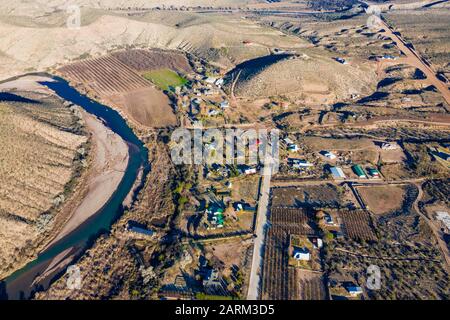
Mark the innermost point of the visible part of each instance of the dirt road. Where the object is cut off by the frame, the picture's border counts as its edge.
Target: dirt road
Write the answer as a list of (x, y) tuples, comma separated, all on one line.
[(382, 258), (414, 59), (437, 233)]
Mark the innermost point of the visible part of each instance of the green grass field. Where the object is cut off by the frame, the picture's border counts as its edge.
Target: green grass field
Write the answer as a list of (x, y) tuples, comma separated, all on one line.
[(165, 78)]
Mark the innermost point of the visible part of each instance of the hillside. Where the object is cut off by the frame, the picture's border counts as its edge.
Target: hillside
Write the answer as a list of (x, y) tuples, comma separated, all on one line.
[(317, 77), (215, 38), (41, 151)]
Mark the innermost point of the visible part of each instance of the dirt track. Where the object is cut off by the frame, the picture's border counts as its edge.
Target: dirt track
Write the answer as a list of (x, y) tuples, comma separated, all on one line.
[(437, 234), (414, 59)]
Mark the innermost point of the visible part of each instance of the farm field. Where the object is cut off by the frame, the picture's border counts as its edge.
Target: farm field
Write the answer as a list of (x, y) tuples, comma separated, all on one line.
[(357, 224), (165, 78), (105, 76), (293, 221), (281, 281), (148, 106), (145, 60), (311, 286), (278, 279), (382, 199), (320, 196), (123, 88)]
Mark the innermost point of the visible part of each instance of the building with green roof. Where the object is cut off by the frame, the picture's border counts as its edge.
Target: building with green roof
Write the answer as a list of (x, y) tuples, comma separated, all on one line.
[(359, 171)]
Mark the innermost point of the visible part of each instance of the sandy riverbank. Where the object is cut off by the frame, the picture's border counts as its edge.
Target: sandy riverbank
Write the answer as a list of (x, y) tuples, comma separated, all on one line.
[(110, 159), (107, 161)]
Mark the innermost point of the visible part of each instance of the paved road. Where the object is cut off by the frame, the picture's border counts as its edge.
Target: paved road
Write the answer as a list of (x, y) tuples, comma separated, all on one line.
[(261, 220)]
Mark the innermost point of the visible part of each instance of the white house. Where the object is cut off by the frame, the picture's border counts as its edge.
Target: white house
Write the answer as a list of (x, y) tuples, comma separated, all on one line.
[(213, 112), (300, 163), (329, 155), (292, 147), (224, 104), (219, 82), (337, 173), (301, 254), (354, 290), (388, 146), (388, 57), (210, 80), (317, 242), (328, 219)]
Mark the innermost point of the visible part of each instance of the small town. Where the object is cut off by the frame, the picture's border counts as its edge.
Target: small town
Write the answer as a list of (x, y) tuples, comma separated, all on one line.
[(189, 151)]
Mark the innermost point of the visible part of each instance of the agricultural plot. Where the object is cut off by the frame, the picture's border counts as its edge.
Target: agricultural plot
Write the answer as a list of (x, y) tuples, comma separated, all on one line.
[(106, 75), (145, 60), (357, 224), (40, 161), (293, 221), (275, 284), (318, 196), (280, 281), (311, 286), (123, 88)]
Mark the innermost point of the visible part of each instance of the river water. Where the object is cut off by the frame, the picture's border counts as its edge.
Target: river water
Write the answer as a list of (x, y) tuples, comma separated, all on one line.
[(20, 285)]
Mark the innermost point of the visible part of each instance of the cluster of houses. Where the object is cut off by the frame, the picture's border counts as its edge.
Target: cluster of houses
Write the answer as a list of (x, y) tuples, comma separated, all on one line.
[(193, 97), (303, 253), (338, 173), (216, 217)]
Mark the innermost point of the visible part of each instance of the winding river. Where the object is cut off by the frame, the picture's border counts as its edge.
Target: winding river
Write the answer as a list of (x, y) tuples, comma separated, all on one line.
[(21, 284)]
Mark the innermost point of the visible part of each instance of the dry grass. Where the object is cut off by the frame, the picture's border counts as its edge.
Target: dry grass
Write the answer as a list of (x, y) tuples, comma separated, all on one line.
[(428, 31), (36, 166), (382, 199)]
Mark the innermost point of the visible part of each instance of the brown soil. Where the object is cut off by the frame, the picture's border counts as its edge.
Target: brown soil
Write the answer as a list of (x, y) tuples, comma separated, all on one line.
[(147, 106), (382, 199), (143, 60)]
